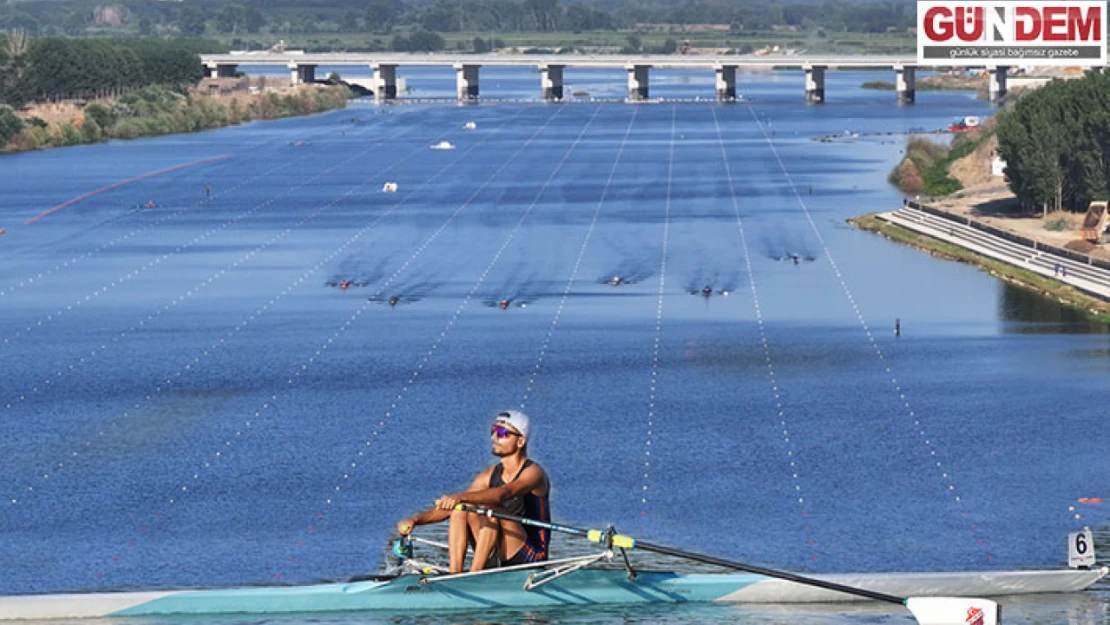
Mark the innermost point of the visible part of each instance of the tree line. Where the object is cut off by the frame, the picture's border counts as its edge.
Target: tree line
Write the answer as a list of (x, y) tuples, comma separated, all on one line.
[(53, 68), (197, 17), (1056, 144)]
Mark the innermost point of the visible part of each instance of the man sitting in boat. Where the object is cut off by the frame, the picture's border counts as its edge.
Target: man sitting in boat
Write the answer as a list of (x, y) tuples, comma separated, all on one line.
[(497, 542)]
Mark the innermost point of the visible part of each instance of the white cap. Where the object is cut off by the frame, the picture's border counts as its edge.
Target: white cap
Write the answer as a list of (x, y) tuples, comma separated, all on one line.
[(516, 420)]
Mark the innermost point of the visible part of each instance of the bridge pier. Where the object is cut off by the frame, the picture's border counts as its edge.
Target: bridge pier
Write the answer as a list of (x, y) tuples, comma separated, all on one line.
[(551, 82), (466, 81), (385, 81), (997, 89), (815, 83), (726, 82), (300, 73), (638, 82), (905, 83), (221, 70)]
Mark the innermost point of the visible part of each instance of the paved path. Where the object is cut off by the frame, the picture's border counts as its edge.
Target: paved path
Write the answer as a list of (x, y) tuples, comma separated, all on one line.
[(1089, 279)]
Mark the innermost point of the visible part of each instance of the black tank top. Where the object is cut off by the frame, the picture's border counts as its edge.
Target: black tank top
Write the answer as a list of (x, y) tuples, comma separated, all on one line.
[(528, 506)]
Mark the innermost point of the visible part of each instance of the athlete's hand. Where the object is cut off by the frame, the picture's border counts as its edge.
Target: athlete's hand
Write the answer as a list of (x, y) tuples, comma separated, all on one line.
[(404, 526), (448, 502)]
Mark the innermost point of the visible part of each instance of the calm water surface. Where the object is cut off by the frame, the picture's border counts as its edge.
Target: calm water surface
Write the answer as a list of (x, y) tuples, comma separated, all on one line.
[(187, 398)]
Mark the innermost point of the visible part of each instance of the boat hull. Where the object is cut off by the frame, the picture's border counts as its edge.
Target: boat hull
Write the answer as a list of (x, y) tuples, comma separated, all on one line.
[(506, 590)]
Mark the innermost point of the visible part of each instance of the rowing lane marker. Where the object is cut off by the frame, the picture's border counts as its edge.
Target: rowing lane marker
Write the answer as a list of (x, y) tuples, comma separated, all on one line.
[(124, 182)]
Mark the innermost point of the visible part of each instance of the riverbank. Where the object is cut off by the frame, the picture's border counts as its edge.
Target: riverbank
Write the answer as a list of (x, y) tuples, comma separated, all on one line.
[(1093, 308), (157, 111)]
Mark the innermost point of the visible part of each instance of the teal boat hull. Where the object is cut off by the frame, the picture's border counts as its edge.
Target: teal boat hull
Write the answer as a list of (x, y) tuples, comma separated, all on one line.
[(504, 590), (507, 589)]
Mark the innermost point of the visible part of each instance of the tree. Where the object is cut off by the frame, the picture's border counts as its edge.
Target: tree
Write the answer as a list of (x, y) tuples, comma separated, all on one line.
[(253, 19), (75, 24), (10, 125), (14, 62), (545, 14), (146, 27), (191, 20), (425, 41), (230, 19), (1056, 144), (670, 46), (481, 46), (381, 15), (349, 22)]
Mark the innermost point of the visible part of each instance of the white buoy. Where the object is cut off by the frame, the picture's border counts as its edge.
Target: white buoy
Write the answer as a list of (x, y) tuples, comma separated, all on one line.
[(443, 145), (470, 125), (390, 187)]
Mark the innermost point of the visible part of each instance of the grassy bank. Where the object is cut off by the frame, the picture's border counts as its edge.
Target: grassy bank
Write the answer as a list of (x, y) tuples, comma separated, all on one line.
[(155, 111), (1094, 308), (932, 83)]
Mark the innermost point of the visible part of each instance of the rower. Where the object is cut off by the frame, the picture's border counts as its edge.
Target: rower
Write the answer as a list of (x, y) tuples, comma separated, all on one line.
[(504, 304), (393, 300), (514, 485), (707, 291)]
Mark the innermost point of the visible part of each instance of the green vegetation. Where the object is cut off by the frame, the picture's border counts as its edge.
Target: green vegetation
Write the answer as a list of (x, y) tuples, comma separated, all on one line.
[(933, 83), (1056, 144), (56, 68), (1058, 225), (363, 25), (159, 111), (653, 41), (924, 170), (1094, 309)]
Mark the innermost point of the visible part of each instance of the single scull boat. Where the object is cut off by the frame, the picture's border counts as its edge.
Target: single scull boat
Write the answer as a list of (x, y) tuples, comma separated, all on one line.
[(933, 598)]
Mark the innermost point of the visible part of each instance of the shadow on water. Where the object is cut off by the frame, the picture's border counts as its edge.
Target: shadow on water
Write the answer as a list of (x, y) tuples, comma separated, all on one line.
[(1025, 312)]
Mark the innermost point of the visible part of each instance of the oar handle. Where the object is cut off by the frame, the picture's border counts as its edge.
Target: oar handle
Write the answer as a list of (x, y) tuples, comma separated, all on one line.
[(525, 521)]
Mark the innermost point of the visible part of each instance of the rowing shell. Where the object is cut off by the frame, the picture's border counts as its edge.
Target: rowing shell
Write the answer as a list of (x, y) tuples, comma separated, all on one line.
[(517, 588)]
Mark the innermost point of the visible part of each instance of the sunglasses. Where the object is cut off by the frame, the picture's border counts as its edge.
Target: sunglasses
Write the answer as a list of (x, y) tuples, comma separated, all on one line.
[(501, 431)]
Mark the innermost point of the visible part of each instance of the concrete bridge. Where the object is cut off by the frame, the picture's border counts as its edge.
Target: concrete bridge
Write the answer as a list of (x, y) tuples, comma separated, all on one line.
[(302, 68)]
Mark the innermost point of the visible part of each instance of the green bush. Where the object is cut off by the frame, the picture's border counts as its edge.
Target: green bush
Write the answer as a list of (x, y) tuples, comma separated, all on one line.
[(1058, 225), (10, 125), (104, 116), (91, 131)]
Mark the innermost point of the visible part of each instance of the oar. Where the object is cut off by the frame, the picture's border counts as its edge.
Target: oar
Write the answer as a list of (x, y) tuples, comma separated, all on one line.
[(927, 610)]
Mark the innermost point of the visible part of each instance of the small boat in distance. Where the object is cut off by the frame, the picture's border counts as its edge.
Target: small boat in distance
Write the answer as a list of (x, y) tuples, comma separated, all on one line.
[(443, 145), (964, 124)]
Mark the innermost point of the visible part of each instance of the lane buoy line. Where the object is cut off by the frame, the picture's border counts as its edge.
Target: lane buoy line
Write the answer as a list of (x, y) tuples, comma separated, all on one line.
[(121, 183), (653, 386), (793, 460), (126, 416), (96, 293), (248, 425), (398, 398), (162, 218), (544, 345), (195, 290), (917, 421)]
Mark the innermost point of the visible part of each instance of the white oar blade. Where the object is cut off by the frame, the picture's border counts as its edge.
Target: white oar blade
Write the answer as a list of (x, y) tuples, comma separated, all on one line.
[(954, 611)]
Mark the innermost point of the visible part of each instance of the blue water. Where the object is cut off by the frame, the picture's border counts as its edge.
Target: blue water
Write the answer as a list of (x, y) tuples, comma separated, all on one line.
[(185, 401)]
